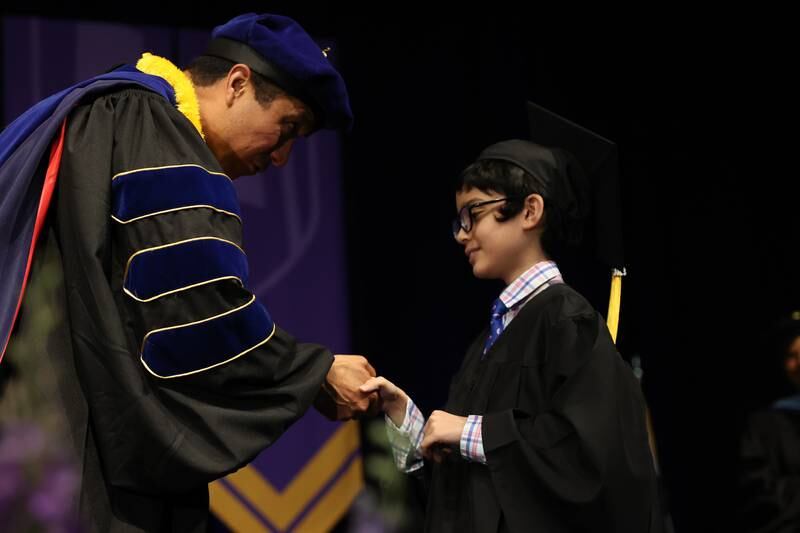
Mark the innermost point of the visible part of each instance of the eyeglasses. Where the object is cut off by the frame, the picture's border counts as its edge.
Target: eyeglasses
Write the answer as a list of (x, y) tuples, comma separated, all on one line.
[(466, 219)]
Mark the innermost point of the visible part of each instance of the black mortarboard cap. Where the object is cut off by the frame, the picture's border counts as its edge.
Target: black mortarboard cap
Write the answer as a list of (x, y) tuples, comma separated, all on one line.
[(598, 158), (579, 174)]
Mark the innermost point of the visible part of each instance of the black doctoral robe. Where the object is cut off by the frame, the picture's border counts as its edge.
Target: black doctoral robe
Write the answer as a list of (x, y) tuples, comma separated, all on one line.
[(169, 373)]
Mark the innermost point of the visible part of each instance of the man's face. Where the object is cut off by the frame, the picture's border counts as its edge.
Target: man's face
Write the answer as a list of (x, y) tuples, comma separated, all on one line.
[(247, 136)]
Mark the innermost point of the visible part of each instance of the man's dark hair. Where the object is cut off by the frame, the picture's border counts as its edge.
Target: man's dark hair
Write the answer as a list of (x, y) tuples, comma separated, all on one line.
[(206, 70)]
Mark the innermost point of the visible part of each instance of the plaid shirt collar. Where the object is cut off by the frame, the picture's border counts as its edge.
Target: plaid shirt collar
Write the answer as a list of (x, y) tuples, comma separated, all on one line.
[(530, 282)]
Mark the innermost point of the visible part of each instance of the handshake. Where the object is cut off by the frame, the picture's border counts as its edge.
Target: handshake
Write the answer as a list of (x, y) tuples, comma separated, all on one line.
[(351, 390), (345, 393)]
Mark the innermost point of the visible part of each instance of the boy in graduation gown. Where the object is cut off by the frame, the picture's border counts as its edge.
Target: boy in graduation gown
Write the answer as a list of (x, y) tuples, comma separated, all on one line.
[(544, 427)]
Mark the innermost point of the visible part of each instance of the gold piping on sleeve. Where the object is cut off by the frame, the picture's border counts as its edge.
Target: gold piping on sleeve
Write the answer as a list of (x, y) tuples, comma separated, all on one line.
[(128, 264), (141, 355), (145, 169), (180, 289), (198, 206)]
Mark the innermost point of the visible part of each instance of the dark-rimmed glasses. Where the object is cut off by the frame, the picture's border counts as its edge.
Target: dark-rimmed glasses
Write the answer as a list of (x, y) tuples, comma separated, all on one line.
[(466, 219)]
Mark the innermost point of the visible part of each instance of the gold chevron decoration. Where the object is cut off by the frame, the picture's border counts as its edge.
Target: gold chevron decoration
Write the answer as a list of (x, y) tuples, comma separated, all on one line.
[(314, 501)]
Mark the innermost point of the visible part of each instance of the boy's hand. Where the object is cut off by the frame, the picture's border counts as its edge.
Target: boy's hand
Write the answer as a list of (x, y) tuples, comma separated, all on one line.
[(442, 430), (393, 399)]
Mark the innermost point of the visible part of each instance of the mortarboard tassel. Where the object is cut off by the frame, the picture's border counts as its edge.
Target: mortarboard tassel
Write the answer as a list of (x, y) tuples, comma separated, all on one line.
[(614, 302)]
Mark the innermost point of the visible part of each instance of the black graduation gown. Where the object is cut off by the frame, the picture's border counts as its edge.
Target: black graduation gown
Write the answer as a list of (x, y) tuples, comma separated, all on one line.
[(769, 476), (148, 442), (564, 430)]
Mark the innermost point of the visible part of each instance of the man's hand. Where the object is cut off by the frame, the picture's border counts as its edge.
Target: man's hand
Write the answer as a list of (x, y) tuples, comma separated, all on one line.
[(394, 400), (442, 433), (340, 397)]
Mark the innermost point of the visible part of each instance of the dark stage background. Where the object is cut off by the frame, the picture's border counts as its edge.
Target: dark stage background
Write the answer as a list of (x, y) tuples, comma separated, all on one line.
[(705, 124)]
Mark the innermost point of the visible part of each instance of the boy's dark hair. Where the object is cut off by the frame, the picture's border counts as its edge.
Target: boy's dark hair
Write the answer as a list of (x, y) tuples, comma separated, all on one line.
[(206, 70), (510, 180)]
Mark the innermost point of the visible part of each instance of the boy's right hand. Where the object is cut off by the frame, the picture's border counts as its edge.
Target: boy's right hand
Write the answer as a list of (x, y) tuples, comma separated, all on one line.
[(393, 399)]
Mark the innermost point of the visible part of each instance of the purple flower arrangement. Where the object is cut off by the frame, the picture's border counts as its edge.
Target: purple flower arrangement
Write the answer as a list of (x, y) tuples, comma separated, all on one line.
[(38, 485)]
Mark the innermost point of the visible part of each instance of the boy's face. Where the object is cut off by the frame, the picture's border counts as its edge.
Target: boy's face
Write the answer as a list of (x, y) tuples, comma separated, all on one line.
[(495, 249)]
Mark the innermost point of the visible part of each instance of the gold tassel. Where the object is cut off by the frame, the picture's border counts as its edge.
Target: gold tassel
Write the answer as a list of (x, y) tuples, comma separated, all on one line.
[(614, 302)]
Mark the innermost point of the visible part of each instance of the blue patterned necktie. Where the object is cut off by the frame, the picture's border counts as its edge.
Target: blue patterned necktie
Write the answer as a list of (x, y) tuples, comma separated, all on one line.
[(495, 324)]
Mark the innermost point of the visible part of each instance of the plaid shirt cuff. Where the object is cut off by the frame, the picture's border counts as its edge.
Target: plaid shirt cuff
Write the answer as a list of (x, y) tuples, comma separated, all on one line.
[(472, 440), (406, 439)]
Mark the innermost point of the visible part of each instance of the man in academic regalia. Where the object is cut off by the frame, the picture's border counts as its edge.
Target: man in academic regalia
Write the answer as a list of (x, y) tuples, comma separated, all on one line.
[(169, 372)]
